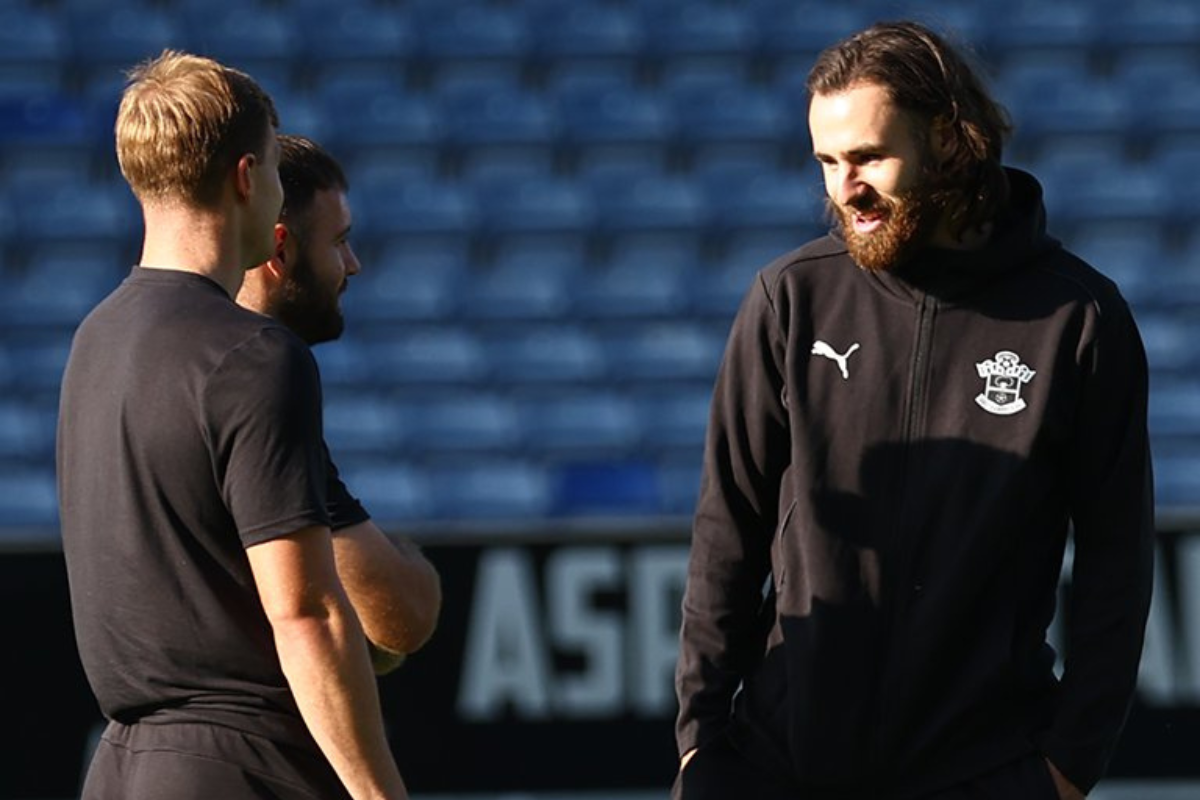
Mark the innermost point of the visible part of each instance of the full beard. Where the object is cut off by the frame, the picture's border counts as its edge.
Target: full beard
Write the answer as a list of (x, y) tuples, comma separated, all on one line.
[(313, 315), (908, 223)]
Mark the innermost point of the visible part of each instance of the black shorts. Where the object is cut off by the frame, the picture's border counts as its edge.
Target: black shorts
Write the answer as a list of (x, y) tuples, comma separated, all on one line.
[(189, 761)]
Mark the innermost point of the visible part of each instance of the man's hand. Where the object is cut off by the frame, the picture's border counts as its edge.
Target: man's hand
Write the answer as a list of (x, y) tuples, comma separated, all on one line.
[(1066, 789)]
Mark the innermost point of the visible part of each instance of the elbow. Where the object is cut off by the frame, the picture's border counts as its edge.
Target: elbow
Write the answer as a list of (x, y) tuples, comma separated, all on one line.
[(427, 608)]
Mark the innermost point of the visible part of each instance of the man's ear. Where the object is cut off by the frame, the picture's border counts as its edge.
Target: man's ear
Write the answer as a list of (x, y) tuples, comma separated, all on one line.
[(245, 175), (283, 244)]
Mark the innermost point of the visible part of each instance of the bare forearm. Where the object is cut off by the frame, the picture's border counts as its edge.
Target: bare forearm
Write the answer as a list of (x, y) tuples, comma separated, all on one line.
[(326, 664), (394, 589)]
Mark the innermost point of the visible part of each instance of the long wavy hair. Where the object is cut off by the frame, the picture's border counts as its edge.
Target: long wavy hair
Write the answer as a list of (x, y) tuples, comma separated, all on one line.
[(928, 78)]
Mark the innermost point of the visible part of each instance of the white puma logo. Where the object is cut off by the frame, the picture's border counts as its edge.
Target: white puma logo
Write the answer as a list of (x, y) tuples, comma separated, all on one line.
[(820, 348)]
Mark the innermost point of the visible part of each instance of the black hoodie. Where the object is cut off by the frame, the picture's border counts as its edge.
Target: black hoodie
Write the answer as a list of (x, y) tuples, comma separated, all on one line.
[(892, 466)]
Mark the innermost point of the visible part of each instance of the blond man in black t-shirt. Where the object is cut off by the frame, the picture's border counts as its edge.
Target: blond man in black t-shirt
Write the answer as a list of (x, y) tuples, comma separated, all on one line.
[(210, 617)]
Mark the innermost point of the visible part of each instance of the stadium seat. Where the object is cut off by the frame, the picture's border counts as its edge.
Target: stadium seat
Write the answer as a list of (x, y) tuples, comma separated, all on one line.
[(440, 207), (522, 284), (546, 354), (393, 492), (407, 279), (613, 488), (650, 203), (495, 490), (675, 419), (665, 351), (581, 423), (585, 31), (643, 277), (119, 36), (360, 424), (463, 422), (27, 497), (439, 355), (549, 205)]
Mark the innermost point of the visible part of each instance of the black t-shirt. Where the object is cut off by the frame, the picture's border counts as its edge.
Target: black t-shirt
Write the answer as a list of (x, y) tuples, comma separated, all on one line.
[(189, 429)]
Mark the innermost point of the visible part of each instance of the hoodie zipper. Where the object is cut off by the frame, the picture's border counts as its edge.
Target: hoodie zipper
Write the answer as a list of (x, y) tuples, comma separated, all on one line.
[(896, 594)]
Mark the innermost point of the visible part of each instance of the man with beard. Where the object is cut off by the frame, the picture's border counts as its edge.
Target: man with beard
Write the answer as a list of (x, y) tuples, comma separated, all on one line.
[(911, 414), (393, 588)]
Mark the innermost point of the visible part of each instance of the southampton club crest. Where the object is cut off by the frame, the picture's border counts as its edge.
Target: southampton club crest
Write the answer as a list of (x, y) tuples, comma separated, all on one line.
[(1005, 375)]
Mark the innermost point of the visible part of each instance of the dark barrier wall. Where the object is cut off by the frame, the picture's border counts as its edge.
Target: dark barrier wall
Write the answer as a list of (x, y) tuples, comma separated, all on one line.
[(551, 670)]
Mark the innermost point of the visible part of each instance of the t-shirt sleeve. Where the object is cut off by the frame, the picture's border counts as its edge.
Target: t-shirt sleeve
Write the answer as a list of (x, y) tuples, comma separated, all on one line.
[(344, 508), (263, 409)]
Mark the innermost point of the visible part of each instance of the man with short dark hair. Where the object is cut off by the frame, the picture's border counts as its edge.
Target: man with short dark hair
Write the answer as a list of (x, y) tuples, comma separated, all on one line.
[(394, 589), (910, 415), (211, 621)]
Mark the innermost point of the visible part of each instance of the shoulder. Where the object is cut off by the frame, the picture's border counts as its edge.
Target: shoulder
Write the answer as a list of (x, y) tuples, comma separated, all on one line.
[(1082, 282), (808, 263)]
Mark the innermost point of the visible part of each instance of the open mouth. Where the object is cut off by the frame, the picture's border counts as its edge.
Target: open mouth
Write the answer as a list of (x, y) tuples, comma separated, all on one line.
[(867, 222)]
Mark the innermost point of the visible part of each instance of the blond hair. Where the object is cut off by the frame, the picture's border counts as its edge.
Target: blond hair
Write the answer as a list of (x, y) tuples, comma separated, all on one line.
[(184, 121)]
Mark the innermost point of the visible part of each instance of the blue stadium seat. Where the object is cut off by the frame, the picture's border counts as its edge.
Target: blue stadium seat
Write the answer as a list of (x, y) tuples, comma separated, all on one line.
[(439, 355), (380, 119), (1060, 26), (392, 492), (405, 279), (676, 419), (1177, 480), (665, 351), (642, 278), (790, 201), (252, 37), (802, 29), (451, 33), (497, 115), (495, 490), (596, 113), (37, 361), (721, 111), (117, 37), (353, 33), (104, 213), (650, 203), (683, 29), (27, 497), (679, 483), (587, 31), (581, 422), (1174, 412), (524, 284), (1131, 254), (33, 39), (464, 422), (415, 207), (1150, 25), (547, 354), (61, 284), (534, 205), (1086, 191), (718, 287), (619, 487), (361, 423), (26, 430), (1170, 344)]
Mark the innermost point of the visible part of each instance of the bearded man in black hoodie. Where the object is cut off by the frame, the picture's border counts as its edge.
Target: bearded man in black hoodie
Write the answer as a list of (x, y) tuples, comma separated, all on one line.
[(912, 414)]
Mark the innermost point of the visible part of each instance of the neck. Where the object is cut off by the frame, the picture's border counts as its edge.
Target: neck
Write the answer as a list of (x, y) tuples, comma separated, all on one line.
[(188, 239)]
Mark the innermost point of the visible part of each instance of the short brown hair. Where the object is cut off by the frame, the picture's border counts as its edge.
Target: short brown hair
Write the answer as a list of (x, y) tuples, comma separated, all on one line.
[(184, 120), (305, 168), (925, 76)]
